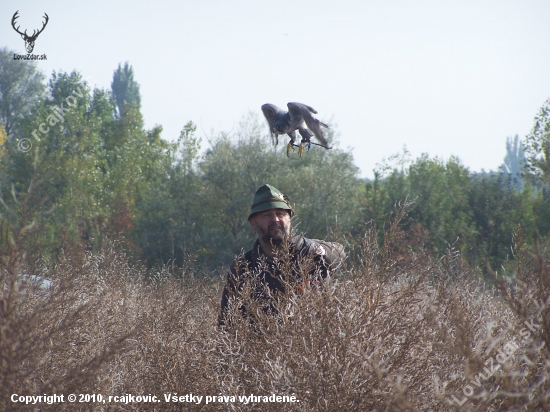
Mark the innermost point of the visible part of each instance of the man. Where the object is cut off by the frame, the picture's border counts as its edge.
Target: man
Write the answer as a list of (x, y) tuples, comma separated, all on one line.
[(311, 260)]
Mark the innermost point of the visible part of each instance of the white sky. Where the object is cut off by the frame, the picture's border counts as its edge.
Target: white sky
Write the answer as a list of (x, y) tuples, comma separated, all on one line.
[(441, 77)]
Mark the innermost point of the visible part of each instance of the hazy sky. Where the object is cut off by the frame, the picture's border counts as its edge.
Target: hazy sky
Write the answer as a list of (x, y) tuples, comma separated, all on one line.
[(441, 77)]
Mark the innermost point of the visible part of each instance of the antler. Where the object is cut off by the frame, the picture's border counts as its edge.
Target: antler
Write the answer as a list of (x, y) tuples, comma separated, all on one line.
[(15, 16), (34, 36), (43, 26)]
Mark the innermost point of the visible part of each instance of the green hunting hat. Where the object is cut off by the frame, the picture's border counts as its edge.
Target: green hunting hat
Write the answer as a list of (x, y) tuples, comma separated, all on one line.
[(268, 197)]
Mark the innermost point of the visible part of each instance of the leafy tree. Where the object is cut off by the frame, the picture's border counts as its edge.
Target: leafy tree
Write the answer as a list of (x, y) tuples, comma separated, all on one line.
[(68, 155), (497, 208), (94, 182), (537, 149), (374, 198), (3, 138), (514, 162), (21, 85), (442, 201), (540, 212), (388, 186), (439, 191), (96, 168), (125, 89), (168, 219), (476, 213)]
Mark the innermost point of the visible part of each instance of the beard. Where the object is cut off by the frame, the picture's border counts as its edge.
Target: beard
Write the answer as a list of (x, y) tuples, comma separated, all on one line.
[(275, 234)]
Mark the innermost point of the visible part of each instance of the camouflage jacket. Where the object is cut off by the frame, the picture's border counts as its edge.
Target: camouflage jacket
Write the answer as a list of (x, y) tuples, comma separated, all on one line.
[(326, 257)]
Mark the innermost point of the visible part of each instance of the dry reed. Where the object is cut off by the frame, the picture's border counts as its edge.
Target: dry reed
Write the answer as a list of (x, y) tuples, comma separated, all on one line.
[(394, 330)]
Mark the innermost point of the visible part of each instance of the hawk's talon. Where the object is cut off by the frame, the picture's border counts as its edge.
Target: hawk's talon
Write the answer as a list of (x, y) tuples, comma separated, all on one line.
[(301, 147), (288, 147)]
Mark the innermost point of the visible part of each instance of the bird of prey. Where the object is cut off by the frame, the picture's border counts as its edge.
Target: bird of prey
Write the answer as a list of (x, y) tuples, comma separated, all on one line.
[(281, 122)]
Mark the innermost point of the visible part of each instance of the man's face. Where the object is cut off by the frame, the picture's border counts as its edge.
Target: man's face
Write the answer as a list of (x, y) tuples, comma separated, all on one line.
[(271, 226)]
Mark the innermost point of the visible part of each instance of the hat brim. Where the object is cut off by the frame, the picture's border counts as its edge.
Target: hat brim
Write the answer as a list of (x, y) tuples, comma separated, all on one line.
[(270, 205)]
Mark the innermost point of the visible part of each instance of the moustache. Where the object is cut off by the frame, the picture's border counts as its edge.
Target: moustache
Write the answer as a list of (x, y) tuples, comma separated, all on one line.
[(276, 226)]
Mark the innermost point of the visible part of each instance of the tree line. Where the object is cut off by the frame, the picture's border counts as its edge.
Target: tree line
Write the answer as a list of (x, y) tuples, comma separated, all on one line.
[(91, 172)]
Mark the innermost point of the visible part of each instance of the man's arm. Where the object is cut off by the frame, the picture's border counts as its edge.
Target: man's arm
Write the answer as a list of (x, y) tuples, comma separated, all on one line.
[(331, 253), (328, 256)]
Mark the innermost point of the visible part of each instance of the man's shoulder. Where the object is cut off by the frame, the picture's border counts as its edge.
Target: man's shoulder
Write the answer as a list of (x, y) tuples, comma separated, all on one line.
[(316, 245), (246, 256), (331, 251)]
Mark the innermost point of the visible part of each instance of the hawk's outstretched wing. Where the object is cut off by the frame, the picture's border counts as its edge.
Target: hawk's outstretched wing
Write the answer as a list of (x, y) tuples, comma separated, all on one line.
[(303, 111), (270, 110)]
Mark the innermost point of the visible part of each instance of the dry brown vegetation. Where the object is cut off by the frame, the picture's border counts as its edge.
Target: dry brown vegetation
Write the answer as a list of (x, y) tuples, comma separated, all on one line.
[(395, 330)]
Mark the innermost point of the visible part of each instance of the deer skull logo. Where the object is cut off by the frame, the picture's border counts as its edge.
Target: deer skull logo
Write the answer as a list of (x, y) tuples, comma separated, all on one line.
[(29, 40)]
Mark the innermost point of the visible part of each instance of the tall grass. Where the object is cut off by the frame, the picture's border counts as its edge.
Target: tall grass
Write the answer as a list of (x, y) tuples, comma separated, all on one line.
[(394, 330)]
